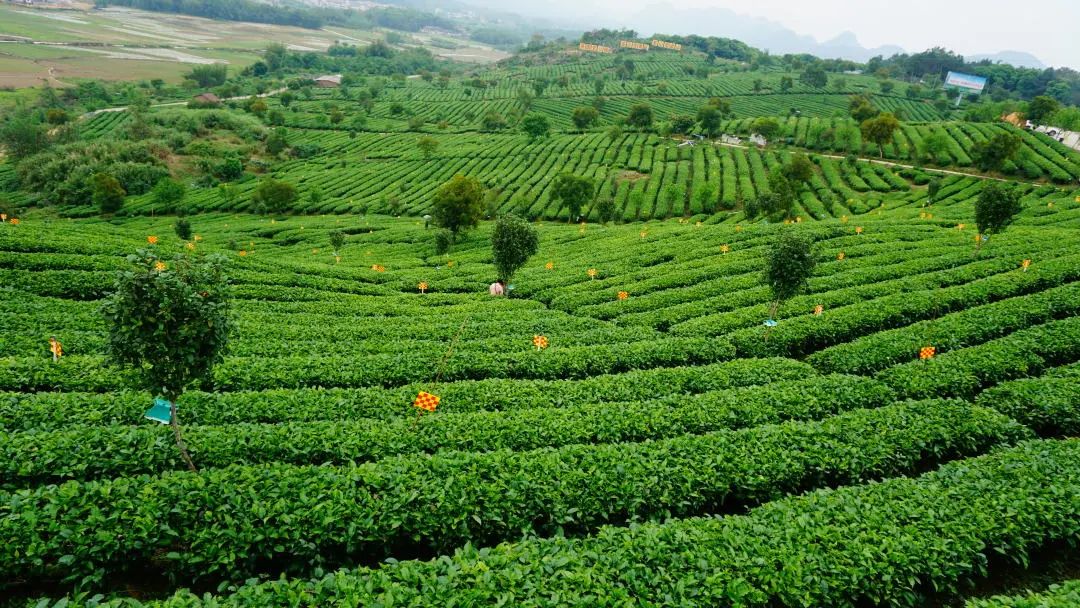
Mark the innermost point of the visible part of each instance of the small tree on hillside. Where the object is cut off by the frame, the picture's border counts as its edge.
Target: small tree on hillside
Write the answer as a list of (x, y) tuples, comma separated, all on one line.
[(880, 130), (573, 191), (182, 228), (337, 240), (536, 126), (933, 189), (995, 209), (585, 117), (788, 266), (427, 146), (273, 196), (106, 193), (640, 116), (513, 242), (168, 193), (709, 117), (765, 127), (458, 204), (799, 170), (991, 155), (169, 321)]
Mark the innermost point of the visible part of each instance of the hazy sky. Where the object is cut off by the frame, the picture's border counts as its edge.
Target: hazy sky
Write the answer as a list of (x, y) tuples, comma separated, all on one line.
[(1049, 29)]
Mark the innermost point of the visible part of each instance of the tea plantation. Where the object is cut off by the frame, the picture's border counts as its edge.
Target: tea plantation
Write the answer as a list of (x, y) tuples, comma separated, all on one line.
[(904, 434)]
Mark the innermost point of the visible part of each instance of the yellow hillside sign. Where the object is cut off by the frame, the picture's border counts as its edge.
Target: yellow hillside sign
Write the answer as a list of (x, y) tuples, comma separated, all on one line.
[(594, 48), (630, 44), (664, 44)]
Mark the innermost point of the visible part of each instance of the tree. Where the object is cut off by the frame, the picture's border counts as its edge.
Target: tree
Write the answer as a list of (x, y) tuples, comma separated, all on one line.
[(168, 193), (786, 83), (709, 117), (605, 208), (640, 116), (573, 191), (935, 146), (337, 240), (788, 266), (758, 85), (765, 127), (1041, 108), (681, 123), (585, 117), (458, 204), (257, 107), (880, 130), (513, 241), (995, 209), (493, 121), (182, 228), (861, 108), (705, 196), (273, 196), (536, 126), (887, 86), (990, 155), (22, 136), (211, 75), (799, 170), (427, 146), (286, 98), (614, 133), (277, 141), (106, 193), (169, 321), (814, 76), (933, 189)]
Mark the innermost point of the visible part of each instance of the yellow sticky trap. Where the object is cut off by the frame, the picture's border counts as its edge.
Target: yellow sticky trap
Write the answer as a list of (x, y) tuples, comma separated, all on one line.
[(927, 352), (426, 402), (623, 295), (540, 342)]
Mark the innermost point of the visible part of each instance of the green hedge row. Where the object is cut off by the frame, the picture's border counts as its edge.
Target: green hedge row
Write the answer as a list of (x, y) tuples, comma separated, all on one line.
[(236, 522), (1065, 595), (965, 372), (57, 411), (88, 373), (875, 544), (1050, 406), (93, 452), (810, 333), (875, 352)]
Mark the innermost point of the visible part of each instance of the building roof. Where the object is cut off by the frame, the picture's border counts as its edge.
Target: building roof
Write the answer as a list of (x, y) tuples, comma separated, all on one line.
[(208, 97), (334, 78)]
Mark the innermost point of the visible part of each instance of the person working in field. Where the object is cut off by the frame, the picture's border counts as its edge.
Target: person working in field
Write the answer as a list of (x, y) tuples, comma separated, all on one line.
[(498, 288)]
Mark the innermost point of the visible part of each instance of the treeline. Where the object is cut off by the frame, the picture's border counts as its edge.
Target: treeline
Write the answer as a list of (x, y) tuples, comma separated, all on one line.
[(232, 10), (312, 18), (1062, 84), (723, 48)]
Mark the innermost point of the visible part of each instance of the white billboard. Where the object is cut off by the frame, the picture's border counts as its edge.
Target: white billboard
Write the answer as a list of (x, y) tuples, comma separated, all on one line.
[(965, 81)]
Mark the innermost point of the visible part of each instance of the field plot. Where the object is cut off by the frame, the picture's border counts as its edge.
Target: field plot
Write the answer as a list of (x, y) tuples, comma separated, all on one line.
[(668, 423)]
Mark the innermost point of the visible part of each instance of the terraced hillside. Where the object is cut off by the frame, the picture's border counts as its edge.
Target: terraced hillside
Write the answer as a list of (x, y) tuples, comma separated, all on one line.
[(664, 448)]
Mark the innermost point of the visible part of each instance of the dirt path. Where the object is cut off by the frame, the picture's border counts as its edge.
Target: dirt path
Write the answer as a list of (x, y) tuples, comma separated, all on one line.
[(182, 103)]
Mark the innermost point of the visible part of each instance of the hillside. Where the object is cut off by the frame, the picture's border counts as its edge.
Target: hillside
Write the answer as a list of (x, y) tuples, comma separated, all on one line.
[(678, 327)]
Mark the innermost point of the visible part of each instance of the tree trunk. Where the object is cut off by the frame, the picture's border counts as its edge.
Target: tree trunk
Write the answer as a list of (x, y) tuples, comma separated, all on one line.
[(175, 423)]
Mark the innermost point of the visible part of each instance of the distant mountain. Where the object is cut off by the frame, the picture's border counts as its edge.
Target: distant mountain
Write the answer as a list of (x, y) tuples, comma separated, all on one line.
[(1017, 58)]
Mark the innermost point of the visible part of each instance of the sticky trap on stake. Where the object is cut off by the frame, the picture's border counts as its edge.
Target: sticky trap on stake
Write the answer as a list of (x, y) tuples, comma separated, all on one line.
[(770, 323), (160, 411), (426, 402)]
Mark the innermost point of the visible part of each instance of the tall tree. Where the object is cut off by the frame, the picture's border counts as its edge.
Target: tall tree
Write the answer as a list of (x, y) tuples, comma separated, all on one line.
[(995, 209), (536, 126), (640, 116), (585, 117), (789, 263), (573, 191), (513, 241), (880, 130), (458, 204), (990, 155), (169, 321)]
